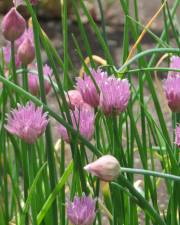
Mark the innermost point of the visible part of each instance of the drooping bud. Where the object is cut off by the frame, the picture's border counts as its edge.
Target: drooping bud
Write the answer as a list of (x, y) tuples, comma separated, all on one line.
[(13, 25), (106, 168), (26, 52)]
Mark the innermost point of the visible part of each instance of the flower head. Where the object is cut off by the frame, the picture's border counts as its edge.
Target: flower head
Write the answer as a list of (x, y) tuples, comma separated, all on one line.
[(177, 139), (82, 120), (74, 99), (114, 96), (27, 122), (26, 52), (87, 87), (13, 25), (81, 211), (175, 64), (33, 80), (172, 91), (106, 168)]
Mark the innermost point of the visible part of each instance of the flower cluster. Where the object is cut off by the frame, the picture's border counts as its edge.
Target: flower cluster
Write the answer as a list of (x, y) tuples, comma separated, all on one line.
[(88, 95), (113, 93), (15, 32)]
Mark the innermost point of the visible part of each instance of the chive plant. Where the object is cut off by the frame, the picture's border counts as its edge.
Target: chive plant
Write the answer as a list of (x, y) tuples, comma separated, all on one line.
[(104, 122)]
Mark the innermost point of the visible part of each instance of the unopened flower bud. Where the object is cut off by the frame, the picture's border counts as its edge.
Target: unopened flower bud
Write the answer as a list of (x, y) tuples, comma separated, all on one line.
[(26, 52), (13, 25), (106, 168)]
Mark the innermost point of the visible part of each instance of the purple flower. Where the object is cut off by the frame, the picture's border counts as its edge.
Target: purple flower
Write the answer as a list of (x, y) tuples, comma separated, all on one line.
[(172, 91), (82, 211), (13, 25), (88, 89), (27, 122), (74, 99), (33, 80), (114, 96), (177, 140), (82, 120), (175, 64)]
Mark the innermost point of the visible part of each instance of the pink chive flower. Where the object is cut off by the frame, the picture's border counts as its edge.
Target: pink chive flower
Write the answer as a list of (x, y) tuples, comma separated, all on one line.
[(106, 168), (22, 2), (26, 52), (82, 211), (87, 87), (33, 80), (82, 120), (74, 99), (177, 139), (114, 96), (172, 91), (175, 64), (27, 122), (13, 25)]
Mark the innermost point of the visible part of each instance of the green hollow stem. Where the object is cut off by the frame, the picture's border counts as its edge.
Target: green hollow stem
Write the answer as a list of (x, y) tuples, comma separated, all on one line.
[(144, 53), (13, 63), (150, 173), (142, 201), (13, 66), (25, 77), (31, 179), (55, 192), (49, 142)]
